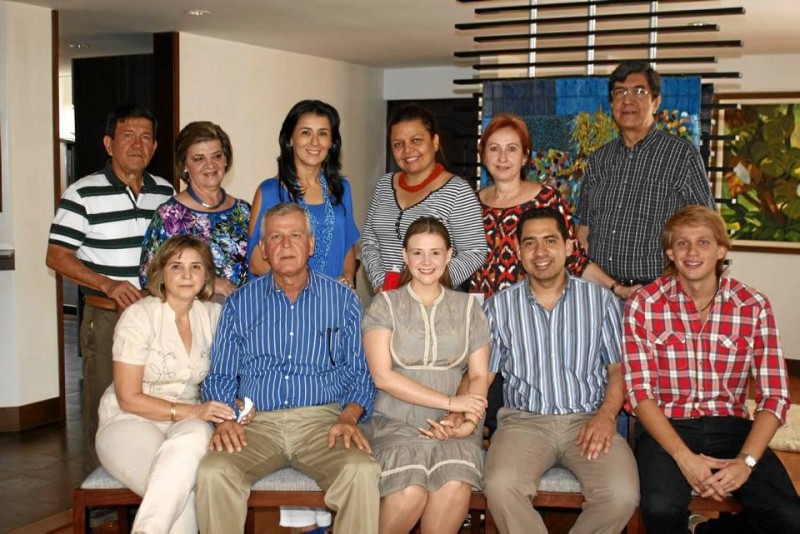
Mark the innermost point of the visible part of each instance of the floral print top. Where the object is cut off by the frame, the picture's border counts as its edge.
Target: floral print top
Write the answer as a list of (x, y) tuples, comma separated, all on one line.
[(224, 231)]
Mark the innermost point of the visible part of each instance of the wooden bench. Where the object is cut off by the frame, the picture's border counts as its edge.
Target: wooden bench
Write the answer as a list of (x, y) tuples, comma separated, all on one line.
[(288, 487)]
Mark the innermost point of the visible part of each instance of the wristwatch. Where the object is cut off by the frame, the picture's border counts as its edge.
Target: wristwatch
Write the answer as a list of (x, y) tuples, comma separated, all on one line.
[(748, 460)]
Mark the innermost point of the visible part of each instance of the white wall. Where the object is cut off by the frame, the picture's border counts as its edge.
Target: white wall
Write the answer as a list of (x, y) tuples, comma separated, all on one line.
[(28, 330), (773, 274), (248, 90), (425, 83)]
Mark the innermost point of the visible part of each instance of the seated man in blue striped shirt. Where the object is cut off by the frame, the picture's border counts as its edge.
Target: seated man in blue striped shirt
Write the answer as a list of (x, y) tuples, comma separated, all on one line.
[(556, 340), (291, 341)]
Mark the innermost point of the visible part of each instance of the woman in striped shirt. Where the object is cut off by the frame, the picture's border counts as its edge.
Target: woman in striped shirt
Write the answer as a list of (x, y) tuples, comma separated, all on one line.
[(422, 188)]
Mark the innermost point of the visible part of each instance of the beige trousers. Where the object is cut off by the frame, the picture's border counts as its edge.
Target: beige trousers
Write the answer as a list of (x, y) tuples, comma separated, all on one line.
[(526, 445), (157, 460), (296, 438)]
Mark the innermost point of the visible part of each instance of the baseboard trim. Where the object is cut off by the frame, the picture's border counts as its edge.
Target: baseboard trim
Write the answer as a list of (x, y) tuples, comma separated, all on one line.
[(29, 416), (60, 522)]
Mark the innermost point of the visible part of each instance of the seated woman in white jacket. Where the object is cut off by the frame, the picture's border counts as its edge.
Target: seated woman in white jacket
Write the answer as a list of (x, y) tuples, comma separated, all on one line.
[(153, 430)]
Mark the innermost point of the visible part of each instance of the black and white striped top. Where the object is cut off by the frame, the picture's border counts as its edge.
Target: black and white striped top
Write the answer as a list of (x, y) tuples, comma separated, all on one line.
[(455, 204), (100, 219)]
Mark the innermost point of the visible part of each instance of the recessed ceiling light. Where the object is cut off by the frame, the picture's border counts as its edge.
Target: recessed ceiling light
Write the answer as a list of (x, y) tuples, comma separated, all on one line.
[(79, 46), (197, 12)]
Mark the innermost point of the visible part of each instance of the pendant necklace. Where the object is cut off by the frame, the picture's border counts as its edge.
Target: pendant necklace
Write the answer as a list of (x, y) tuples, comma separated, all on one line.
[(200, 201)]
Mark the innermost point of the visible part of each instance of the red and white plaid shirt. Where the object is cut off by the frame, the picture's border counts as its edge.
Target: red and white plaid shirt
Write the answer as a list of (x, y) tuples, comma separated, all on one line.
[(693, 369)]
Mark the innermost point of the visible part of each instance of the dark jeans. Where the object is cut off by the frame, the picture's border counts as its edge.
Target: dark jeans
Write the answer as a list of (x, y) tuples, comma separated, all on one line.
[(770, 501)]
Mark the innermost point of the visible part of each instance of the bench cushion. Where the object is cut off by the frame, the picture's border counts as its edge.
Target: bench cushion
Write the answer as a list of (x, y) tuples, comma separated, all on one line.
[(556, 479), (559, 480)]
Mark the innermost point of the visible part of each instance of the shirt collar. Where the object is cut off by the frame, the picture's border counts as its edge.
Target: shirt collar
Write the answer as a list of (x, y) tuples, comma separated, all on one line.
[(674, 289), (312, 284), (148, 183), (564, 292), (416, 297), (643, 142)]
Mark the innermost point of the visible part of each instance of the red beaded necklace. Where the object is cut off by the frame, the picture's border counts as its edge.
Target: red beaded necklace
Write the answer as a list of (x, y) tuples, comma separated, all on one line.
[(401, 180)]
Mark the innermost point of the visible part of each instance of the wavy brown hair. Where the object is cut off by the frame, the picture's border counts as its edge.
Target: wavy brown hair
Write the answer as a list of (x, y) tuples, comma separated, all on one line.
[(197, 132)]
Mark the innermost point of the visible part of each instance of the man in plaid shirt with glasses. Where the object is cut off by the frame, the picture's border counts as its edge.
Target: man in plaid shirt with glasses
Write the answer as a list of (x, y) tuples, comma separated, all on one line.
[(636, 182), (692, 338)]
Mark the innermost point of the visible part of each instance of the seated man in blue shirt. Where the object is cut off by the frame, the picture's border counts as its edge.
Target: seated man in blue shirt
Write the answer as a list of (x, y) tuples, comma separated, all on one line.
[(291, 342), (556, 340)]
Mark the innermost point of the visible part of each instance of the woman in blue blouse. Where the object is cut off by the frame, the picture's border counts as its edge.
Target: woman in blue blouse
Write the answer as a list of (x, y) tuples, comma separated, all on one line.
[(309, 174)]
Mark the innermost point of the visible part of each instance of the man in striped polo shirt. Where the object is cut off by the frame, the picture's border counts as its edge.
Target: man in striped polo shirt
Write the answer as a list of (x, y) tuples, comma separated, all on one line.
[(96, 240), (556, 340)]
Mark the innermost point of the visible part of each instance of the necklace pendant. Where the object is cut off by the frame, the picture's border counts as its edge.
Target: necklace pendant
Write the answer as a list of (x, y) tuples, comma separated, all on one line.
[(200, 201)]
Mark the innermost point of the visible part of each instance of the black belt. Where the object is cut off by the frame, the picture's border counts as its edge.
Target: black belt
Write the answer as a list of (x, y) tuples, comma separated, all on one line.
[(628, 282)]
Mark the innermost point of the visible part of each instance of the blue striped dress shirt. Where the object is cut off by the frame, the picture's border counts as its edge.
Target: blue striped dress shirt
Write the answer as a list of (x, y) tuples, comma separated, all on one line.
[(285, 354), (554, 362)]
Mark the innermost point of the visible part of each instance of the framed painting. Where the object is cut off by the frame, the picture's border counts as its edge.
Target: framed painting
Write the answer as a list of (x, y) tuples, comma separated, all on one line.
[(757, 169)]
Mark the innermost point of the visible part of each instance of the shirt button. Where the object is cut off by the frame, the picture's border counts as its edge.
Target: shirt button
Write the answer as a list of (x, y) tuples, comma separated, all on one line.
[(286, 377), (286, 402), (291, 307), (289, 357), (291, 333)]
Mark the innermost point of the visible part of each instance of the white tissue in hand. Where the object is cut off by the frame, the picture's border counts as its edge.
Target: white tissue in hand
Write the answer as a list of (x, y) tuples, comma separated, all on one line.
[(248, 406)]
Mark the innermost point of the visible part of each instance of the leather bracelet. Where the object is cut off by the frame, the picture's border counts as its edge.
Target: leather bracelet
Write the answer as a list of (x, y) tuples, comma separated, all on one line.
[(613, 286), (474, 427), (173, 411)]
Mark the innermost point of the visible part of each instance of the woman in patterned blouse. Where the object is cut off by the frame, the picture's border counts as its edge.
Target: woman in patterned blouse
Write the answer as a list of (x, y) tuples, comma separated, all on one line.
[(505, 153), (203, 155)]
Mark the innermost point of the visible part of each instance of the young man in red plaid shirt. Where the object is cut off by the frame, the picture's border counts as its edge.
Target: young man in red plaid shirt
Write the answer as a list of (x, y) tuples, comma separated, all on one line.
[(692, 338)]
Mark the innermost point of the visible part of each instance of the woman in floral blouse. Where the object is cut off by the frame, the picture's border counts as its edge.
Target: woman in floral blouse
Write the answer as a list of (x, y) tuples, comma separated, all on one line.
[(203, 155)]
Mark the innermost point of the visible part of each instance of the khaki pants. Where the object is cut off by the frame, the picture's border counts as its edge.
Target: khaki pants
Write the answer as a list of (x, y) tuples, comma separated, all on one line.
[(97, 338), (526, 445), (296, 438)]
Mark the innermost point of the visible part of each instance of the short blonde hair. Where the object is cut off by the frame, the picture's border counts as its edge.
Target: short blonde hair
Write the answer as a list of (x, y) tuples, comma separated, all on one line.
[(176, 245), (696, 216)]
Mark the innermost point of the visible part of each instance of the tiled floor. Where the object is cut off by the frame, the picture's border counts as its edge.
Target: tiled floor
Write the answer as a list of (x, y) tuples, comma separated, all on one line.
[(39, 468)]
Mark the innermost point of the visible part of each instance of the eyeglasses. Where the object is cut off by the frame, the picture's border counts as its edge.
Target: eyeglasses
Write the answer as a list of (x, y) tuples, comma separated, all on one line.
[(329, 335), (618, 93)]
